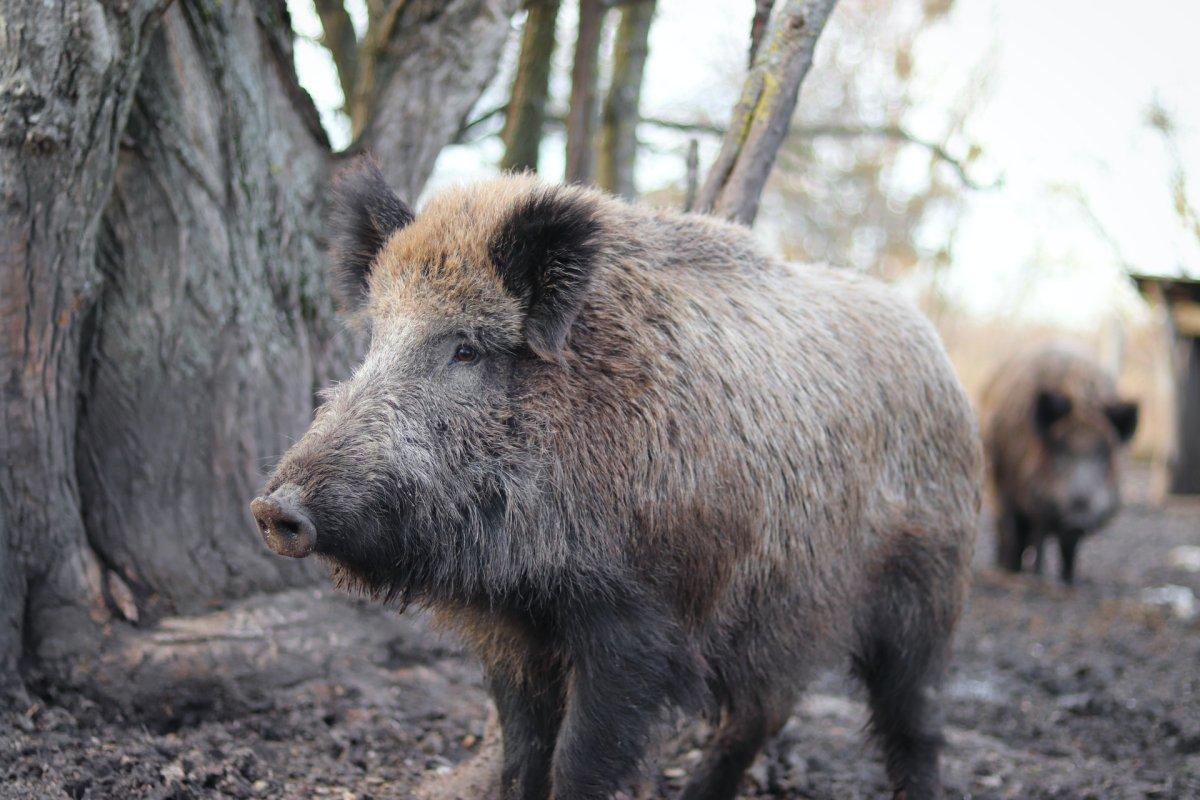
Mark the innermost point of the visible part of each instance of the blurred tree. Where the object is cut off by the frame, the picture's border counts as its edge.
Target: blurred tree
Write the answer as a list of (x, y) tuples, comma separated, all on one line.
[(621, 114), (858, 187), (525, 115), (163, 314), (581, 113), (1160, 120), (761, 116)]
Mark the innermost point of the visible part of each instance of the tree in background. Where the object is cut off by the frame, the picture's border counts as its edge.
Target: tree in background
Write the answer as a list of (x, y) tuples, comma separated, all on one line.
[(526, 109), (617, 157), (581, 111), (760, 119), (860, 188)]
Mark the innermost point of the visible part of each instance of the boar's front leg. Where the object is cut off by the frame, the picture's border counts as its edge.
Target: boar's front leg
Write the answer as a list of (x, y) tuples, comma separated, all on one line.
[(1012, 538), (529, 703), (627, 668), (1067, 542)]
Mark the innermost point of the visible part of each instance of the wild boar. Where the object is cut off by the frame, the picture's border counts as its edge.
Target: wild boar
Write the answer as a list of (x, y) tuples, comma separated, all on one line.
[(1053, 428), (640, 466)]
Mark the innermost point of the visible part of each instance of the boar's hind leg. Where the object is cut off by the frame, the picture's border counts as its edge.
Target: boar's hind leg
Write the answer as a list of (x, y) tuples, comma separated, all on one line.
[(901, 648), (530, 708), (737, 741)]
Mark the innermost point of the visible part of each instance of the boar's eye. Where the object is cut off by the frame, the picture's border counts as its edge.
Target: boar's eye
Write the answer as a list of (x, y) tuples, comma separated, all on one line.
[(466, 354)]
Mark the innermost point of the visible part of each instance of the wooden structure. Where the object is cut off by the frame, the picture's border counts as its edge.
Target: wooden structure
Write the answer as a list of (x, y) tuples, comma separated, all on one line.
[(1178, 301)]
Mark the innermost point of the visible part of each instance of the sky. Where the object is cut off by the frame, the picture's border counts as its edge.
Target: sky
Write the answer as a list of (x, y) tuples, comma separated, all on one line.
[(1062, 122)]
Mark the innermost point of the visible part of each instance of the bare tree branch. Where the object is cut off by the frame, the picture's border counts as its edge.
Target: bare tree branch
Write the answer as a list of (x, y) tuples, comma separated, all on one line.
[(760, 118), (581, 115), (522, 133), (758, 27), (410, 106), (342, 43), (800, 132), (619, 118), (897, 133), (894, 132)]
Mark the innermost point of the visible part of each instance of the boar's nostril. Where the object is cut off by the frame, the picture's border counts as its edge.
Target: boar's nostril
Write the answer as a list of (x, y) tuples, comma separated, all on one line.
[(283, 524)]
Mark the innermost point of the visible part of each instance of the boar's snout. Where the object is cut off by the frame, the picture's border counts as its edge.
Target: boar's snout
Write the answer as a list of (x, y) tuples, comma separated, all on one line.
[(284, 526)]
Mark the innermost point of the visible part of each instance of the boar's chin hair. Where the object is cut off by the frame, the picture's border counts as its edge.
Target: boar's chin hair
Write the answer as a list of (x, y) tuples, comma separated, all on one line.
[(439, 547)]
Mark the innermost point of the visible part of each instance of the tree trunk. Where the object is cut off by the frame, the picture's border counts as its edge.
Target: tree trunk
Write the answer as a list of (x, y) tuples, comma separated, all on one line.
[(67, 74), (164, 319), (581, 114), (760, 119), (526, 116), (212, 326), (619, 119)]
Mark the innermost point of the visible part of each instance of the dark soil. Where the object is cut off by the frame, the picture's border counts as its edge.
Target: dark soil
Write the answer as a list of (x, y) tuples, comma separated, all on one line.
[(1092, 692)]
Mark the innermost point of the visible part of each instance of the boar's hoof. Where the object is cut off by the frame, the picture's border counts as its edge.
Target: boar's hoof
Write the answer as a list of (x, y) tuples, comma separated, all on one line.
[(285, 527)]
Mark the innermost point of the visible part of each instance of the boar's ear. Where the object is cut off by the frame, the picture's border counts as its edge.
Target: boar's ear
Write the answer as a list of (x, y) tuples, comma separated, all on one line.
[(545, 252), (1049, 408), (1123, 414), (365, 213)]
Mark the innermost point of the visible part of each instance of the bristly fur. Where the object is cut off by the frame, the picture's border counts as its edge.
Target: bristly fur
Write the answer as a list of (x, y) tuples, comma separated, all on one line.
[(640, 465), (545, 252), (365, 213)]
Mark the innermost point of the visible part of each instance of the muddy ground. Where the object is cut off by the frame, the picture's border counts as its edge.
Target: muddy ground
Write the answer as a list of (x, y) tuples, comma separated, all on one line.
[(1086, 693)]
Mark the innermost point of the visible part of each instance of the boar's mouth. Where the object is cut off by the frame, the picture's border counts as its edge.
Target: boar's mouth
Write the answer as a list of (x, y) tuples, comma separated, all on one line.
[(285, 526)]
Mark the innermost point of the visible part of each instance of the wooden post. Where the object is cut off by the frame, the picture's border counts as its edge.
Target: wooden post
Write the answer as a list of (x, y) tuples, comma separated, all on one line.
[(1185, 469), (1178, 301)]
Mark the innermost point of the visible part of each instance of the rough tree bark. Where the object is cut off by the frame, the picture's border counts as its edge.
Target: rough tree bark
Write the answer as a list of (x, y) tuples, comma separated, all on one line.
[(526, 114), (163, 314), (581, 113), (67, 74), (761, 116), (211, 325), (617, 159)]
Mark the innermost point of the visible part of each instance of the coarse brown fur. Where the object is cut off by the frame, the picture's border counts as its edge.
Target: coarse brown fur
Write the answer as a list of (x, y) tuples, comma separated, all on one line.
[(1053, 427), (668, 470)]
